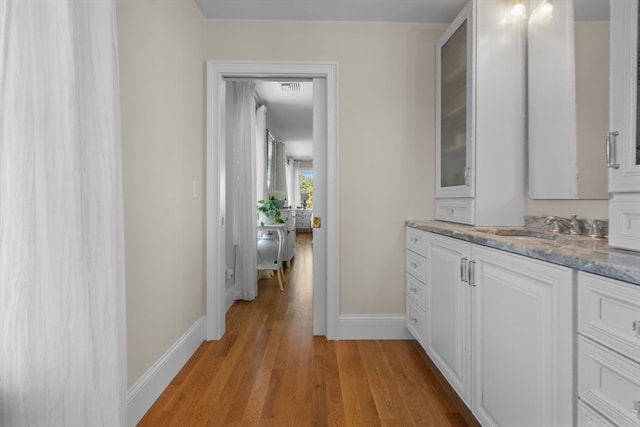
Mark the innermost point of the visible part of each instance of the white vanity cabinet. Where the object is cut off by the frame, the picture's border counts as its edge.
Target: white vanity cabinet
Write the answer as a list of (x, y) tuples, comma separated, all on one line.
[(448, 316), (480, 117), (499, 327), (522, 338), (623, 143), (609, 349)]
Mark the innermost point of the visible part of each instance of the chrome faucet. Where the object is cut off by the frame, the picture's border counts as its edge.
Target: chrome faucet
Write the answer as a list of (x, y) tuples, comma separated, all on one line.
[(563, 225)]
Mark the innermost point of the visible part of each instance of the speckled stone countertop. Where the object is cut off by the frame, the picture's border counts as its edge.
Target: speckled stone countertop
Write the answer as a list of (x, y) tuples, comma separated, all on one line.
[(577, 252)]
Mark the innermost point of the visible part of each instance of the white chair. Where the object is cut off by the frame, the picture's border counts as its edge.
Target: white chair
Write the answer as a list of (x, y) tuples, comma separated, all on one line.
[(276, 266)]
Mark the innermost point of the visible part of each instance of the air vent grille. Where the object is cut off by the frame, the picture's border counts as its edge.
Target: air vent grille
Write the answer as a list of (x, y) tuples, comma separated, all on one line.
[(291, 87)]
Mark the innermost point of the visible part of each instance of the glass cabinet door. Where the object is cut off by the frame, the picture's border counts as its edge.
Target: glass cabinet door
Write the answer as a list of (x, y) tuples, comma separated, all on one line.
[(453, 110), (623, 140)]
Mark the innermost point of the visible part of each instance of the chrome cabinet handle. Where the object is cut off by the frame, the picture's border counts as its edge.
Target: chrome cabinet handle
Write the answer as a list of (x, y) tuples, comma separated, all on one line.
[(413, 290), (413, 265), (636, 327), (467, 170), (414, 239), (413, 320), (472, 273), (611, 151), (463, 269), (636, 409)]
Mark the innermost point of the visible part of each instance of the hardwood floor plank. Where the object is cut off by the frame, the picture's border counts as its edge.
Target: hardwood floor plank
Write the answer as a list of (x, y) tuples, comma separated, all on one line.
[(268, 370)]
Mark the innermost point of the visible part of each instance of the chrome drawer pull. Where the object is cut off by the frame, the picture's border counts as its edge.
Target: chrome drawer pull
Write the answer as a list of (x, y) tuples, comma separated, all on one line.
[(413, 290), (636, 409), (413, 320), (413, 265), (414, 239), (636, 327)]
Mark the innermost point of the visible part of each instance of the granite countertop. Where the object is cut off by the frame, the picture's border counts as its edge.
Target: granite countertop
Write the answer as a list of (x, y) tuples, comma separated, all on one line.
[(577, 252)]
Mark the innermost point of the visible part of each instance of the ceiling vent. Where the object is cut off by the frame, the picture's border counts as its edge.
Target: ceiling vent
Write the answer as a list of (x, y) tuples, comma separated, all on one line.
[(291, 87)]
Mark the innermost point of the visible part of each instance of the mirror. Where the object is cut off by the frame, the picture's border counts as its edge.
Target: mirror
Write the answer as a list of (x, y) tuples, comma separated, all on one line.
[(568, 85)]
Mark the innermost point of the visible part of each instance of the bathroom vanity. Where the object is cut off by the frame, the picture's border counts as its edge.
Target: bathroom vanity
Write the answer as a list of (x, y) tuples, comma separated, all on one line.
[(495, 308)]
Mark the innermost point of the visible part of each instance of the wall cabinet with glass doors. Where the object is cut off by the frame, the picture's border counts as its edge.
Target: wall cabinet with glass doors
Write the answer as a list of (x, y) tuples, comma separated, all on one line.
[(623, 141), (480, 117)]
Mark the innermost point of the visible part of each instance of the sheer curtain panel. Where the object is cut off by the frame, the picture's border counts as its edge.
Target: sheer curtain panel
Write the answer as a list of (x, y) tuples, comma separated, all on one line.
[(62, 326), (245, 202), (261, 152), (278, 181)]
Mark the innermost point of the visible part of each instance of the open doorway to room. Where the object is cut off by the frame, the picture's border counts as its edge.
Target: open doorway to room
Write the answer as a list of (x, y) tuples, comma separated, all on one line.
[(325, 173)]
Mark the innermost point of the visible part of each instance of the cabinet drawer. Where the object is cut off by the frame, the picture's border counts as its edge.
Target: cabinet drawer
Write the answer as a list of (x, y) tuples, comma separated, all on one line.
[(415, 321), (455, 210), (417, 266), (624, 222), (608, 381), (588, 417), (416, 292), (607, 311), (416, 241)]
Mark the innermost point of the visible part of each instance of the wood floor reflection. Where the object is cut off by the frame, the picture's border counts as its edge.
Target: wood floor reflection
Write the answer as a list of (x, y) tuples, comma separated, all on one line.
[(268, 370)]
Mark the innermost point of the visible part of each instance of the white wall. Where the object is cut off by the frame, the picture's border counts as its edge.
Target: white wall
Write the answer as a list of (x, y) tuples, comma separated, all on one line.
[(162, 101), (386, 136)]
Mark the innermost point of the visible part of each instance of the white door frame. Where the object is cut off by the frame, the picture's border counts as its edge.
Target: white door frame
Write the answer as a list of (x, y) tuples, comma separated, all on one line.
[(217, 71)]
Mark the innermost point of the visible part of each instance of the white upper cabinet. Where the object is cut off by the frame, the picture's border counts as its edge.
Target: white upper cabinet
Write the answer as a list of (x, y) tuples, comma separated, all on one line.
[(623, 146), (480, 117), (623, 143)]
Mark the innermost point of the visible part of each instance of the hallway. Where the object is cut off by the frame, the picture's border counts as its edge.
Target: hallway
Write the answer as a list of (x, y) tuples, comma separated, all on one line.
[(268, 370)]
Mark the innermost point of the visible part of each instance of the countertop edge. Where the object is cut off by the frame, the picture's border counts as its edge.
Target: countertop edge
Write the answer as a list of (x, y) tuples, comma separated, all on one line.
[(557, 255)]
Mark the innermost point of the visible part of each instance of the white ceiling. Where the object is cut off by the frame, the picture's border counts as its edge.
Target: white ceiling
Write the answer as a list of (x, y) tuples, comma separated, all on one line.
[(289, 116), (334, 10)]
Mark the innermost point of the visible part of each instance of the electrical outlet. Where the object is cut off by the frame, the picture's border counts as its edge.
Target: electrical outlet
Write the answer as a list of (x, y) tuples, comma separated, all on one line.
[(229, 273)]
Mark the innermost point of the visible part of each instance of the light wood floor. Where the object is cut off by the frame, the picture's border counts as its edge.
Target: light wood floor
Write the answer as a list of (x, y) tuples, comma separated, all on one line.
[(268, 370)]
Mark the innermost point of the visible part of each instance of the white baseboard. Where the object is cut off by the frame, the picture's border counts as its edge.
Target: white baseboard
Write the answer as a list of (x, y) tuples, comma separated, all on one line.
[(229, 298), (374, 327), (146, 390)]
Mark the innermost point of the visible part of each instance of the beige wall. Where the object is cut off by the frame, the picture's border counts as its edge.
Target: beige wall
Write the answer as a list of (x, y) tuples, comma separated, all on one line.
[(386, 136), (162, 92)]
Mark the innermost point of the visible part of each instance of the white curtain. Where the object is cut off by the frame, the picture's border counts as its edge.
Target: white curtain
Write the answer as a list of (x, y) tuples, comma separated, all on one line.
[(278, 172), (62, 336), (290, 166), (295, 202), (245, 202), (261, 152)]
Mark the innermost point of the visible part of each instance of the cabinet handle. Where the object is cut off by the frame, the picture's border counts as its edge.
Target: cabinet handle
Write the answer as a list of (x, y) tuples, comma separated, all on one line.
[(472, 273), (414, 239), (413, 320), (611, 150), (463, 269), (636, 327), (450, 211), (413, 265), (413, 290), (636, 409), (467, 170)]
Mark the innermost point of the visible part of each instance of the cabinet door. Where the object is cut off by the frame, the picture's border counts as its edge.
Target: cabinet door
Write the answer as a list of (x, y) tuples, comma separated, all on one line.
[(454, 118), (448, 329), (522, 340), (624, 148)]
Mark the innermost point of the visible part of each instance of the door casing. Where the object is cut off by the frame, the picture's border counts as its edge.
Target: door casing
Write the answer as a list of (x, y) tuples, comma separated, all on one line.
[(326, 258)]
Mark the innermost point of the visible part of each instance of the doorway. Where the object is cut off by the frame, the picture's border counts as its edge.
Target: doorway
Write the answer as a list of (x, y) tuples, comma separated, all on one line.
[(325, 254)]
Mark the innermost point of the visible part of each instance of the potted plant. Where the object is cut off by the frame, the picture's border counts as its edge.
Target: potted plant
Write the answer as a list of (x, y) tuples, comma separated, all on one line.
[(270, 213)]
